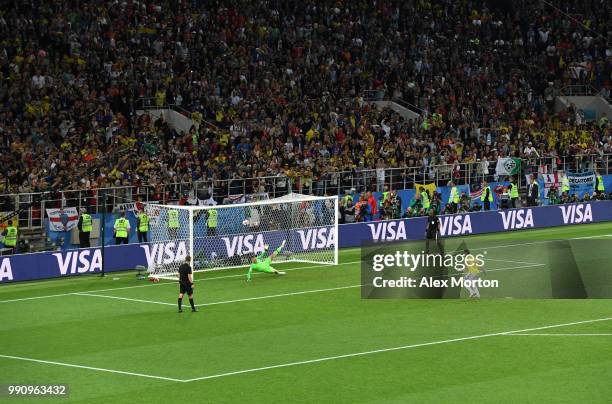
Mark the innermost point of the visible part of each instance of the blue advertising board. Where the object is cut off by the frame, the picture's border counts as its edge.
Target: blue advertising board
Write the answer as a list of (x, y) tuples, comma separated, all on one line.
[(477, 222), (89, 260)]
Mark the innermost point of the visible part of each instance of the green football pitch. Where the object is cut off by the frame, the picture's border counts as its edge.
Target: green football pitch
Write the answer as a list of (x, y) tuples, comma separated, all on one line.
[(309, 337)]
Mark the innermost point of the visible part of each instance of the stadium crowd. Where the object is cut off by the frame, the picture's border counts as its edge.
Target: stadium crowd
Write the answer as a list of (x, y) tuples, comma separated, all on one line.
[(277, 87)]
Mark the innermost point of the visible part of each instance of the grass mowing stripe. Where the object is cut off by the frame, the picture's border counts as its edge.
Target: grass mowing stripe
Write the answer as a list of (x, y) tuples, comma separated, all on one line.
[(71, 365), (246, 299), (289, 269), (328, 358), (284, 269), (404, 347), (281, 295), (168, 283)]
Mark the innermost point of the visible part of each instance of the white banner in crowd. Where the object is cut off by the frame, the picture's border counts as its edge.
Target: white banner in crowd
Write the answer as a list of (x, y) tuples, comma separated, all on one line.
[(136, 207), (133, 207), (581, 183), (581, 180), (64, 219), (262, 196)]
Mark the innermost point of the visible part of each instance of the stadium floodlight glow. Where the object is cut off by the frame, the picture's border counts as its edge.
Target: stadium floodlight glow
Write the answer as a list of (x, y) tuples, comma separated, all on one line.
[(227, 236)]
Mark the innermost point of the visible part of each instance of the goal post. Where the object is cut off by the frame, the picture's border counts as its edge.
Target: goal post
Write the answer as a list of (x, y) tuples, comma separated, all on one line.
[(228, 236)]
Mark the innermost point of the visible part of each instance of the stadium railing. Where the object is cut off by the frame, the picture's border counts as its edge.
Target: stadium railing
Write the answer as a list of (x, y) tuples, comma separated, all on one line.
[(579, 90), (331, 183)]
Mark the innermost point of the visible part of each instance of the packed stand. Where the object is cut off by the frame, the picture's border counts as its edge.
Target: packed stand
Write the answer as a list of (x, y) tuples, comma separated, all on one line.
[(276, 89)]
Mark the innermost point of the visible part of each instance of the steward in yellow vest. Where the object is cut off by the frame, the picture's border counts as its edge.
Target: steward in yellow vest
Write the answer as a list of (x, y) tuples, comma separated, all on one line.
[(122, 230), (10, 238), (453, 199), (565, 186), (514, 192), (487, 196), (142, 225), (424, 198), (85, 225), (599, 185)]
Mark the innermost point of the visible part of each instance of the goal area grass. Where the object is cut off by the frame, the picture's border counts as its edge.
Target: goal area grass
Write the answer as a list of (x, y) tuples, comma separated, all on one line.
[(308, 336)]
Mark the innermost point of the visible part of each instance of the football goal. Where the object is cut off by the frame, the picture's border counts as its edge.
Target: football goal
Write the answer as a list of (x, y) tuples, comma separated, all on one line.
[(228, 236)]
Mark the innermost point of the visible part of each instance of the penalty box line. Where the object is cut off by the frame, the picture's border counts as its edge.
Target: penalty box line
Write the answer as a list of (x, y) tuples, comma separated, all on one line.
[(289, 269), (171, 283), (246, 299), (98, 369), (304, 362), (399, 348)]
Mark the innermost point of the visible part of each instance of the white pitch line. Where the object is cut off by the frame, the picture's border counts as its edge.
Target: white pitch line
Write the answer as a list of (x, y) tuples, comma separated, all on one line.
[(498, 269), (123, 298), (219, 277), (518, 267), (539, 242), (246, 299), (511, 261), (200, 280), (404, 347), (562, 335), (71, 365), (224, 301), (165, 283), (36, 297), (290, 269), (328, 358), (587, 237)]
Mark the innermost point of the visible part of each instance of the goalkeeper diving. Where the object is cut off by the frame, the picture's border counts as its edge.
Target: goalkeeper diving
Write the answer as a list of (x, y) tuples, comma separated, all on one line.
[(262, 262)]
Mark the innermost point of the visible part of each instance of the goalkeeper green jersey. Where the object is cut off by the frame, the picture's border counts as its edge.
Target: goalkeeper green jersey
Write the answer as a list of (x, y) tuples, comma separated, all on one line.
[(263, 261), (262, 264)]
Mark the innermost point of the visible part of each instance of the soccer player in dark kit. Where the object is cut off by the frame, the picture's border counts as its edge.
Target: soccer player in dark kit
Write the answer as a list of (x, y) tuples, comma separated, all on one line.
[(186, 284)]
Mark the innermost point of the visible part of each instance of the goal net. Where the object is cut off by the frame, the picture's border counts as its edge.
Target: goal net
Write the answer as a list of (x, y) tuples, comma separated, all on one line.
[(228, 236)]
